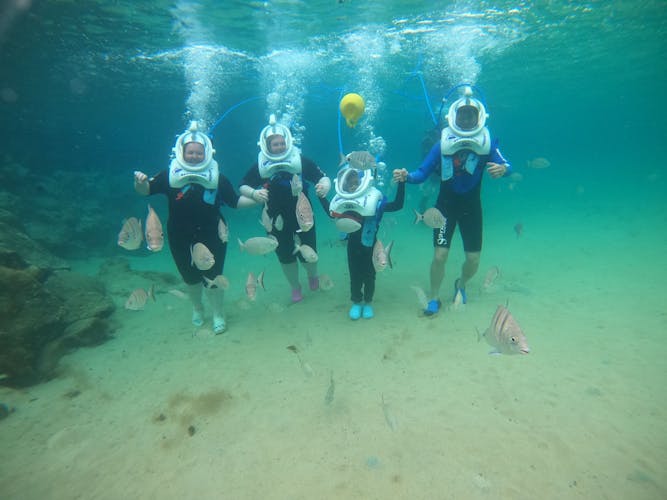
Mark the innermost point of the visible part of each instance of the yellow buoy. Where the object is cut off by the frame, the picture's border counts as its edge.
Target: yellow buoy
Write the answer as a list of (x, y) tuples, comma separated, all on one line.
[(352, 106)]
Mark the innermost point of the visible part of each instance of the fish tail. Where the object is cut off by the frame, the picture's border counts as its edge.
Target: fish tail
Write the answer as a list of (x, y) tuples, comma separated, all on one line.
[(241, 245), (342, 160), (260, 280), (151, 293), (418, 217)]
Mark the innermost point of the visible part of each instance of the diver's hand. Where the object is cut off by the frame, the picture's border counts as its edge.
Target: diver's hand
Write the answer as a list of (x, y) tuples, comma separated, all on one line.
[(399, 175), (496, 170), (141, 184), (322, 187), (260, 195)]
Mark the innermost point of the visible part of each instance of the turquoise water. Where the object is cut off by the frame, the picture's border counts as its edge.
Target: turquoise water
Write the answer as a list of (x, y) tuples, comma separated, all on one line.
[(103, 88)]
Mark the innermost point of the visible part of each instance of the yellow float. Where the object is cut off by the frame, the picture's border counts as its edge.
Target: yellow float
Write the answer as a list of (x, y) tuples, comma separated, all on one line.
[(352, 107)]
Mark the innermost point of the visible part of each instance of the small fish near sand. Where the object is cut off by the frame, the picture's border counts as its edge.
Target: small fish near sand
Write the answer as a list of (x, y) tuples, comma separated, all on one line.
[(154, 233), (201, 257), (251, 284), (326, 283), (538, 163), (432, 217), (359, 160), (504, 334), (259, 245), (138, 298), (490, 278), (130, 236), (329, 396)]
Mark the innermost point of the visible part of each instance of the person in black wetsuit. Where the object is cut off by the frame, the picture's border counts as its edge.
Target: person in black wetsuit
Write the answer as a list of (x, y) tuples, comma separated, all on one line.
[(358, 208), (196, 190), (275, 180)]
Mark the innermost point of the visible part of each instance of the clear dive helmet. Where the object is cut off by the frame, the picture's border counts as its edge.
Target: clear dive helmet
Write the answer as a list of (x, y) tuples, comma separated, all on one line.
[(467, 115), (192, 134), (272, 129), (352, 183)]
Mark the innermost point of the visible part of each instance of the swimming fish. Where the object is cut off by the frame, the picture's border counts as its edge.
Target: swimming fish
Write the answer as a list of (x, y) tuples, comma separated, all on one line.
[(154, 233), (538, 163), (518, 229), (201, 257), (329, 396), (259, 245), (130, 235), (432, 217), (360, 160), (308, 254), (138, 298), (219, 281), (251, 284), (296, 185), (223, 231), (304, 213), (490, 278), (326, 283), (504, 334), (382, 256)]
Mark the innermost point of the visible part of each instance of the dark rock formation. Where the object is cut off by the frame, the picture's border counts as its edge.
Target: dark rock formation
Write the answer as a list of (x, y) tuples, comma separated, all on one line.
[(45, 309)]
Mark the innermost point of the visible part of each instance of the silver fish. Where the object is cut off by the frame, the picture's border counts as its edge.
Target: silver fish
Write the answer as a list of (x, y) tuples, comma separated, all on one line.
[(361, 160), (538, 163), (504, 334), (382, 256), (432, 217), (130, 235), (223, 231), (304, 213), (259, 245), (201, 257), (308, 254), (296, 185)]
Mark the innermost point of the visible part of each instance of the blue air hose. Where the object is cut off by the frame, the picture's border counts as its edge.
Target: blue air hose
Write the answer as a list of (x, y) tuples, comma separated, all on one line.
[(224, 115)]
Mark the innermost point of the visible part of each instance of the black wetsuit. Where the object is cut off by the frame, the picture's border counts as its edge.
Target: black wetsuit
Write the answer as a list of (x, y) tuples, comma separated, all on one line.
[(193, 218), (282, 202)]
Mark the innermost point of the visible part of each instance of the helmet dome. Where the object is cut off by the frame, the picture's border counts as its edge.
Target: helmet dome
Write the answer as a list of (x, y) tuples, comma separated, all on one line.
[(467, 115), (268, 133)]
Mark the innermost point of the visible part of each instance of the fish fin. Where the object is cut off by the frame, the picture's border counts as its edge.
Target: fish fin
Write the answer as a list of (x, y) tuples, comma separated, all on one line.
[(209, 282), (479, 335), (260, 280), (418, 217), (241, 245), (296, 248)]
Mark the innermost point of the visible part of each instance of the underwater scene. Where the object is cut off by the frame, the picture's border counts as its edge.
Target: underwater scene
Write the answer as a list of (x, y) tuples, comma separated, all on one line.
[(333, 249)]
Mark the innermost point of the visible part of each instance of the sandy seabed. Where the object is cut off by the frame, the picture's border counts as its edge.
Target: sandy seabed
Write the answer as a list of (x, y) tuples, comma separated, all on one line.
[(419, 409)]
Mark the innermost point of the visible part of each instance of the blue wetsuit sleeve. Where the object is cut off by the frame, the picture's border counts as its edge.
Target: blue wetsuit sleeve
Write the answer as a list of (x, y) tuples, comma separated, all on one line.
[(497, 157), (428, 165)]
